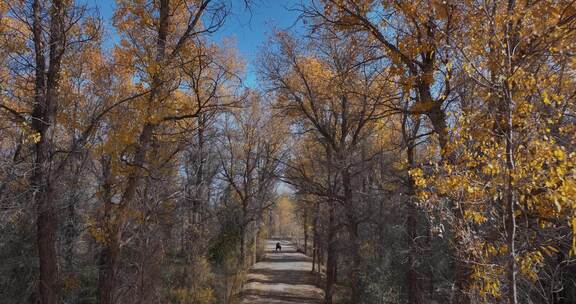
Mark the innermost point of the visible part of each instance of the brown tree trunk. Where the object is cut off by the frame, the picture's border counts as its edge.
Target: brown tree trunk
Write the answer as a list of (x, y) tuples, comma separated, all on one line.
[(305, 230), (199, 182), (354, 238), (331, 259), (316, 238), (47, 80), (255, 245), (356, 262), (47, 227), (108, 269), (437, 117), (111, 253), (336, 255), (412, 283), (242, 246)]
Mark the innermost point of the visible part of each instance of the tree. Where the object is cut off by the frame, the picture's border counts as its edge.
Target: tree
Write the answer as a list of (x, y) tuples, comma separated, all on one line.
[(252, 145), (508, 164), (47, 33), (155, 39)]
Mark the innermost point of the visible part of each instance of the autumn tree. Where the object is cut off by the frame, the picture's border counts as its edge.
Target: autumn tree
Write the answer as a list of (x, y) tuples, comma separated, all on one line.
[(512, 168), (46, 38), (253, 143)]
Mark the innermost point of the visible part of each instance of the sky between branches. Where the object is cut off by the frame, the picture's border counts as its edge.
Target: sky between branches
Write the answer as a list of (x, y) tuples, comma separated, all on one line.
[(249, 28)]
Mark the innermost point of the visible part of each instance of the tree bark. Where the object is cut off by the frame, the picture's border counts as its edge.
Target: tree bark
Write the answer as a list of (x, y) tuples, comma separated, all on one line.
[(316, 238), (354, 238), (108, 269), (435, 114), (511, 43), (356, 296), (199, 182), (111, 252), (510, 205), (412, 283), (242, 256), (511, 223), (47, 81), (331, 259), (305, 230), (255, 246), (108, 254)]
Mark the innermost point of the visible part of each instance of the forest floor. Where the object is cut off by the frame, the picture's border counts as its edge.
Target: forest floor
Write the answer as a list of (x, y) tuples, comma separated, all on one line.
[(281, 278)]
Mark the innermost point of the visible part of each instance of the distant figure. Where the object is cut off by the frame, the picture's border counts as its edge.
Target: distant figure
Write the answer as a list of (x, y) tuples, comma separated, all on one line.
[(278, 247)]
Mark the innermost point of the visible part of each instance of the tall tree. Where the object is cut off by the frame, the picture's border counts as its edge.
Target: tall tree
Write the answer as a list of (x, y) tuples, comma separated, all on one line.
[(504, 137), (154, 38), (48, 32), (253, 143)]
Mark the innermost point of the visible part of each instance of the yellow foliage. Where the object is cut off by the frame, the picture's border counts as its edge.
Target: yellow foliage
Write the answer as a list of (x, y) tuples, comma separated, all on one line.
[(530, 263), (474, 216)]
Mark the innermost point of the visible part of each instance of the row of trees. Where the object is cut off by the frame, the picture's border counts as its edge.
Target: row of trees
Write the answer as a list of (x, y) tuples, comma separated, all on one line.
[(435, 150), (132, 173), (432, 151)]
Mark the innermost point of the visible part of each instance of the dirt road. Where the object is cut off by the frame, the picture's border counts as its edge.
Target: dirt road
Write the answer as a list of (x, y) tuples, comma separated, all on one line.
[(282, 278)]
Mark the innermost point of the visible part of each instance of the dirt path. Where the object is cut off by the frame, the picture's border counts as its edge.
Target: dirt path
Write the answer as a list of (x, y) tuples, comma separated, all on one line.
[(282, 278)]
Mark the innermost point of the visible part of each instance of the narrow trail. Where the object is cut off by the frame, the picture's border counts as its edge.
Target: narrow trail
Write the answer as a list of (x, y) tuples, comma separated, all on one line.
[(281, 278)]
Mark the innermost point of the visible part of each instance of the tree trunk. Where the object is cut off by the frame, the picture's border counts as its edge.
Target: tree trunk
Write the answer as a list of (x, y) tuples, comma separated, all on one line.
[(305, 230), (356, 263), (242, 247), (511, 43), (199, 182), (47, 227), (47, 80), (109, 257), (511, 229), (316, 238), (336, 255), (412, 282), (354, 238), (255, 244), (111, 252), (331, 259), (438, 119), (510, 205)]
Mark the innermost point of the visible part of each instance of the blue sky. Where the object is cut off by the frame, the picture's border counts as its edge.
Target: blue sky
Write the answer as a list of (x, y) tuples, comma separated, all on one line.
[(249, 28)]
